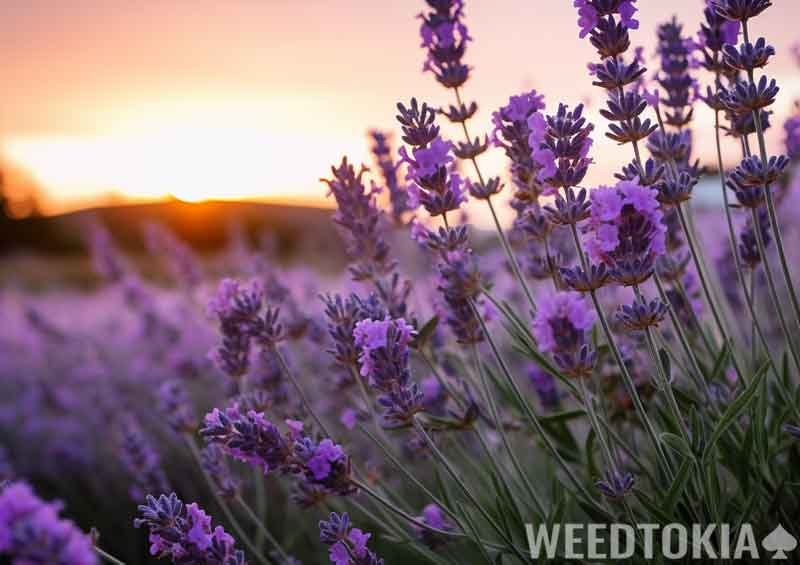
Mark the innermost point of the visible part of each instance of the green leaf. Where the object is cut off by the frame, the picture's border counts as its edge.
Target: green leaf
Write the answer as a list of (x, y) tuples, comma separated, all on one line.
[(564, 416), (720, 363), (665, 363), (734, 410), (678, 485), (677, 444), (654, 509), (424, 334)]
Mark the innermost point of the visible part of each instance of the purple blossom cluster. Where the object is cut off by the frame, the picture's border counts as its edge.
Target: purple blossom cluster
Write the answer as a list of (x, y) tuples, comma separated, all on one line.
[(31, 530), (398, 197), (384, 362), (348, 545), (320, 468), (445, 36), (184, 534), (627, 234), (562, 326)]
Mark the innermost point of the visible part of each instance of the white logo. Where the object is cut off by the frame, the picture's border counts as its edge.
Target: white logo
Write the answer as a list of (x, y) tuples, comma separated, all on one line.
[(780, 541), (673, 541)]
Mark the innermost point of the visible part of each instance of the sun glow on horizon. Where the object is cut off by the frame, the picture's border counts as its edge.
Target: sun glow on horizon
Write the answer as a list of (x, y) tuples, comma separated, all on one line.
[(188, 156)]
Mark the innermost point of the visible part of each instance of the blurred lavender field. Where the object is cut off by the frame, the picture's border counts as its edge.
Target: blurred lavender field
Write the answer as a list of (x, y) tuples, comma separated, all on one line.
[(388, 382)]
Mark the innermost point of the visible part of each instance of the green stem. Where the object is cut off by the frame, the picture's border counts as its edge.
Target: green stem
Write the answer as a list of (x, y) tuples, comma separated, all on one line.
[(506, 247), (262, 528), (464, 488), (300, 392), (630, 385), (504, 436), (773, 217), (108, 557), (772, 289)]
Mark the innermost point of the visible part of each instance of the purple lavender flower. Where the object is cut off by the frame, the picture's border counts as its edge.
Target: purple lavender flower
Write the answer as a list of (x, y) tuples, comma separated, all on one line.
[(360, 220), (433, 184), (248, 437), (348, 545), (740, 10), (434, 517), (140, 460), (560, 145), (184, 533), (748, 242), (176, 407), (674, 51), (384, 362), (627, 233), (590, 13), (512, 132), (212, 458), (616, 485), (560, 327), (445, 36), (343, 314), (31, 531), (792, 141), (714, 34), (545, 386), (398, 197), (641, 314), (235, 308), (321, 468)]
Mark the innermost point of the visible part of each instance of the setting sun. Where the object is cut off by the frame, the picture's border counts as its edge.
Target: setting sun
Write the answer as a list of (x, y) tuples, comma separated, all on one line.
[(193, 153)]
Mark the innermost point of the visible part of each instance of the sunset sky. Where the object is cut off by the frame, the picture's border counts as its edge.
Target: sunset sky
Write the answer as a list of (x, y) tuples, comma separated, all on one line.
[(107, 100)]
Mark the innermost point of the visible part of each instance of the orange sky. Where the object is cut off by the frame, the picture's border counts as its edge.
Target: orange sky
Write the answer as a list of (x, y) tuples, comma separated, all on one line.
[(104, 99)]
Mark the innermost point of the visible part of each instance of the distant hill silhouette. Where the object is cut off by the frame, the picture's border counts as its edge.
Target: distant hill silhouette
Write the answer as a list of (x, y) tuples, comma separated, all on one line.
[(205, 226)]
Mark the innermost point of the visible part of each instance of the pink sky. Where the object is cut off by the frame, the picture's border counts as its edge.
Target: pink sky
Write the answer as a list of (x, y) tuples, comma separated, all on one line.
[(255, 98)]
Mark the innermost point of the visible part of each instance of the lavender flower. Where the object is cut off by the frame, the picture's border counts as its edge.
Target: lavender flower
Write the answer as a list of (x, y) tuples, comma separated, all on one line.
[(360, 220), (343, 314), (184, 533), (434, 517), (445, 36), (140, 460), (398, 197), (641, 314), (348, 545), (740, 10), (321, 468), (792, 141), (674, 52), (175, 405), (384, 362), (560, 145), (31, 531), (748, 242), (212, 459), (545, 386), (512, 132), (560, 327), (433, 183), (627, 233), (616, 485)]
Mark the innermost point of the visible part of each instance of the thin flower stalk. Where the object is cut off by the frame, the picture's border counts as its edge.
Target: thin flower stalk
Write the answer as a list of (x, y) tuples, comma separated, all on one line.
[(773, 218)]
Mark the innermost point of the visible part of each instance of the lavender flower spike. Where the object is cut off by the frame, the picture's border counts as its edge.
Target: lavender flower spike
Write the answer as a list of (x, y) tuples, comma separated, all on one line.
[(184, 533), (348, 545), (31, 531)]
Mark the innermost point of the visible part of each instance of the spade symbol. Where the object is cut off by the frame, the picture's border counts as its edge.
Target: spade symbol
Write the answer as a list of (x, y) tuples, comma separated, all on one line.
[(779, 541)]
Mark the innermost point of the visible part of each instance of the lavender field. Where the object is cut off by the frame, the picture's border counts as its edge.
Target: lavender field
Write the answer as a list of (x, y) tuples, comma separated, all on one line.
[(617, 354)]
